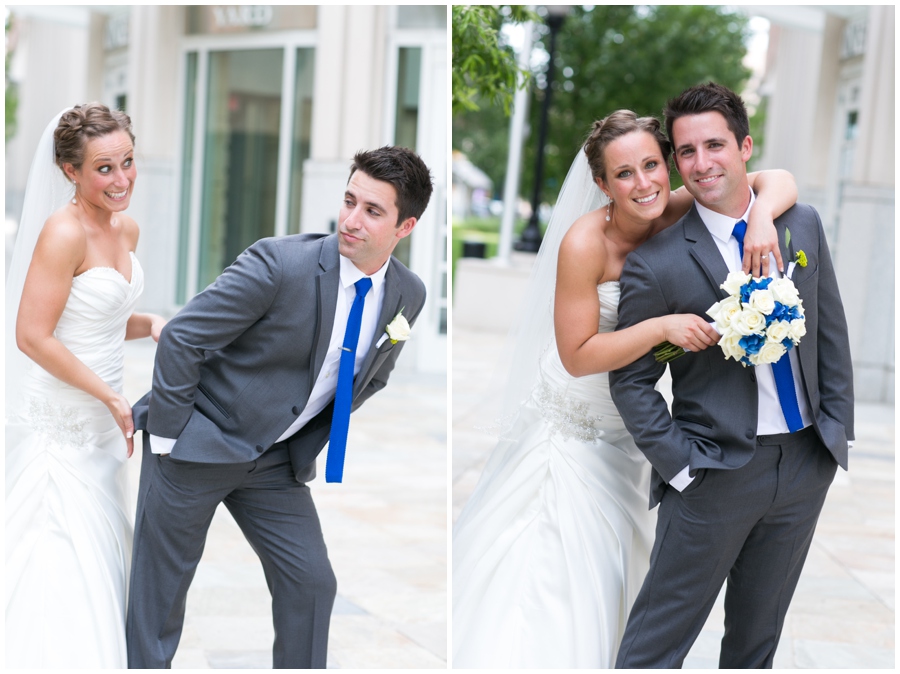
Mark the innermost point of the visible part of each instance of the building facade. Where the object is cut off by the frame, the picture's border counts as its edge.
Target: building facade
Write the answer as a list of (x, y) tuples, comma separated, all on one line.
[(247, 118), (830, 118)]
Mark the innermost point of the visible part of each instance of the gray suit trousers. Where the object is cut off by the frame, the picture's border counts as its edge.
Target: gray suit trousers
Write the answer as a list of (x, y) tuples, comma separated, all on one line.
[(752, 526), (176, 502)]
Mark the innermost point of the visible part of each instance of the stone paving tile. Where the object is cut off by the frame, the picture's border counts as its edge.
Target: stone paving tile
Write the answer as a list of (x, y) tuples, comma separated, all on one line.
[(386, 531), (842, 615)]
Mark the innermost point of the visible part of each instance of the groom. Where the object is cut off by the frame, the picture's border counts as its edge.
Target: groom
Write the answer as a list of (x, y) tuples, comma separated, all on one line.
[(250, 380), (742, 464)]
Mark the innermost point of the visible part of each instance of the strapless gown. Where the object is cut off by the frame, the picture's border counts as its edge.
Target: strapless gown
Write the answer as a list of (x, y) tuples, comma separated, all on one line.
[(68, 531), (552, 547)]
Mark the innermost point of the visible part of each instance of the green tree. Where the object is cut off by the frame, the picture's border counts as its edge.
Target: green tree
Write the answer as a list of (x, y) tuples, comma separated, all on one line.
[(610, 57), (12, 92), (483, 66)]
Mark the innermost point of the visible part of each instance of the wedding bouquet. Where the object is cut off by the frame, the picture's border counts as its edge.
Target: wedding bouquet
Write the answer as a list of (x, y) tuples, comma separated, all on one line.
[(760, 320)]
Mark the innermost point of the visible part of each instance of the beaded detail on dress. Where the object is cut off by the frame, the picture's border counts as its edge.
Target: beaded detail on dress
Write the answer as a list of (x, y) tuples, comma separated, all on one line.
[(569, 418), (60, 424)]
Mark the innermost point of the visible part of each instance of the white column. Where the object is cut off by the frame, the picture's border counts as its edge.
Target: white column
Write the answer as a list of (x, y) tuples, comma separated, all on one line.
[(864, 259), (874, 159), (328, 90), (514, 161), (156, 105), (347, 105), (47, 84)]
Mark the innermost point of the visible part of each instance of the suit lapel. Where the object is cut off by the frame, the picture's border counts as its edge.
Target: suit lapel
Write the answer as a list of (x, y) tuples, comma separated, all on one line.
[(328, 280), (705, 251), (782, 237), (390, 307), (787, 253)]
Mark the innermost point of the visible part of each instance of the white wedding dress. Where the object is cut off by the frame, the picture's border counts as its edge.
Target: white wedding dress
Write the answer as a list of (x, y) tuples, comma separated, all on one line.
[(554, 543), (68, 532)]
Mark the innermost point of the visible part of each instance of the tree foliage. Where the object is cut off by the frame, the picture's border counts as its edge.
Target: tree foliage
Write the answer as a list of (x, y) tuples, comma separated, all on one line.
[(610, 57), (12, 92), (484, 67)]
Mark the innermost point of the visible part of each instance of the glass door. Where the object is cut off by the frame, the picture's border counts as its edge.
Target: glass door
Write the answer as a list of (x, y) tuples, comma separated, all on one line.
[(417, 119), (240, 163), (247, 128)]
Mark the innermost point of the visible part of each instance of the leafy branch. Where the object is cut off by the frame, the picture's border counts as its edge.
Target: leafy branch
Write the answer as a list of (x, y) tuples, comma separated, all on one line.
[(483, 67)]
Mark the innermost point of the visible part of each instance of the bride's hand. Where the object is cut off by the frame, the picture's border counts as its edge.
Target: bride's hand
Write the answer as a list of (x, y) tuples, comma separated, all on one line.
[(157, 323), (760, 239), (689, 331), (121, 411)]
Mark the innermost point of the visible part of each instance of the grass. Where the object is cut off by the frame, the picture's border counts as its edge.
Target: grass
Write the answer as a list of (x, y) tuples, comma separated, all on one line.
[(484, 230)]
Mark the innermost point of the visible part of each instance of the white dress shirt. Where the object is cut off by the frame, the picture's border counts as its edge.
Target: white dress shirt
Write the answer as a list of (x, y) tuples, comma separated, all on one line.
[(326, 383), (770, 417)]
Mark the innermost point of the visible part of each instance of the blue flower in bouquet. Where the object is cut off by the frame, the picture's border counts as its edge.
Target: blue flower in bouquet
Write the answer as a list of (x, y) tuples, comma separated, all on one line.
[(752, 343), (748, 289), (781, 312)]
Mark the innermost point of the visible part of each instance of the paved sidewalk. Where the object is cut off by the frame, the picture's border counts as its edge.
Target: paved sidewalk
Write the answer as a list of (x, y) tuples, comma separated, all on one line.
[(842, 615), (386, 530)]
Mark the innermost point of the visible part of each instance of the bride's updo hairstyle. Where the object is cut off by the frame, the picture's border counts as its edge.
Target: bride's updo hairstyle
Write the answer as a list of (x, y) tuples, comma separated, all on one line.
[(616, 125), (81, 124)]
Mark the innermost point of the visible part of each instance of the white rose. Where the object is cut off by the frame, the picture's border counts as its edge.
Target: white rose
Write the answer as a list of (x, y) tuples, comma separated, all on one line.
[(771, 352), (778, 331), (734, 281), (798, 329), (763, 301), (724, 311), (784, 291), (730, 344), (398, 329), (749, 322)]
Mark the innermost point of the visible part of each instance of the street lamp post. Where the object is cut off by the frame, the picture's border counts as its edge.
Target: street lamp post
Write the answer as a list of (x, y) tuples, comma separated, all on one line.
[(530, 239)]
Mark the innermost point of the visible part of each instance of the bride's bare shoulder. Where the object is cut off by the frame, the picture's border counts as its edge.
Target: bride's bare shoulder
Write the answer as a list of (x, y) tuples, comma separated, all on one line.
[(585, 238), (62, 236), (130, 230)]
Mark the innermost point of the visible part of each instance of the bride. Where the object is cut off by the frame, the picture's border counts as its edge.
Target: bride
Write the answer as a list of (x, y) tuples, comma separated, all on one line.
[(553, 545), (71, 291)]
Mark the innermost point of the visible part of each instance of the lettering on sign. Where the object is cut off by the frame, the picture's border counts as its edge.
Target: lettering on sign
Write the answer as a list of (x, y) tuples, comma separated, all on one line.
[(116, 34), (854, 40), (230, 16)]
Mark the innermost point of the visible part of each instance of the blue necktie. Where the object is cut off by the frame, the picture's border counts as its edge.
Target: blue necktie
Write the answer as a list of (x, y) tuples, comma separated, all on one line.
[(343, 396), (784, 375)]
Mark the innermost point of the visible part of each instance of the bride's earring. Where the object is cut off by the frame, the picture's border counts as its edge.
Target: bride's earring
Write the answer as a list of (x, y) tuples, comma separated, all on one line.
[(75, 201), (609, 209)]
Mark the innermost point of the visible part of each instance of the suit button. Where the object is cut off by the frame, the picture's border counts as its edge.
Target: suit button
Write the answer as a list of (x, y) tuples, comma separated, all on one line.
[(750, 435), (259, 449), (295, 410), (753, 377)]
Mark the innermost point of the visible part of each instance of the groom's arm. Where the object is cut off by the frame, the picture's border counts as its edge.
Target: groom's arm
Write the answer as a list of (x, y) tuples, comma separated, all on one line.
[(210, 321), (642, 407)]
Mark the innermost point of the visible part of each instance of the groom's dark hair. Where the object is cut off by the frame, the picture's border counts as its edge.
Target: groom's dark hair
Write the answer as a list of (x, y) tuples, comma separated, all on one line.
[(709, 97), (403, 169)]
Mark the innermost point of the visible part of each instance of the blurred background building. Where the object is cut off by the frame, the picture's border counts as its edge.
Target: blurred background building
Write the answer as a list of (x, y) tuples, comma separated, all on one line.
[(247, 118), (830, 119)]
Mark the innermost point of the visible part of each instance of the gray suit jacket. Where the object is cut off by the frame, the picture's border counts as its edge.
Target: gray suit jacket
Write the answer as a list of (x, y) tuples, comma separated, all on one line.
[(236, 365), (714, 414)]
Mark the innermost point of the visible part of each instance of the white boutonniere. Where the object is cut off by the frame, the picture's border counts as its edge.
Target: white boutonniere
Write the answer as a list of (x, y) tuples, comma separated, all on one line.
[(398, 329)]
